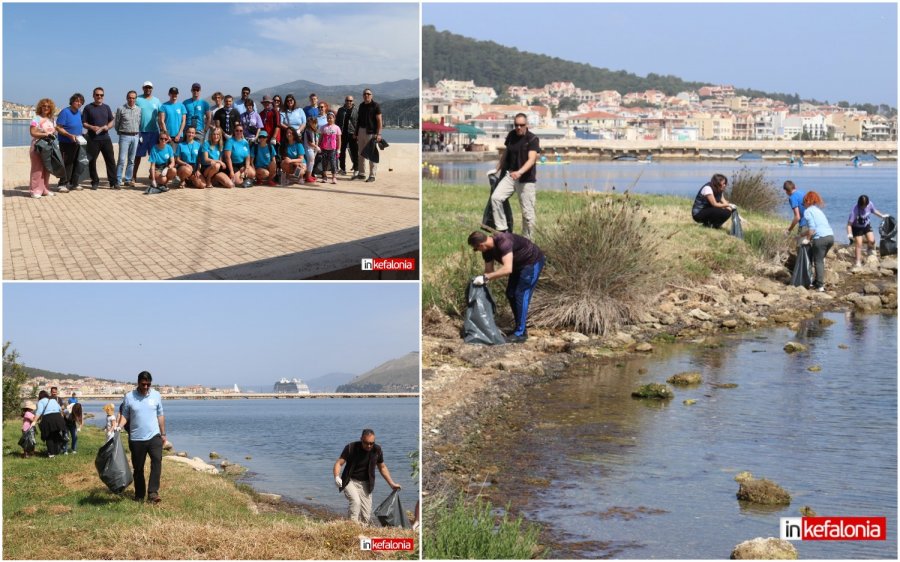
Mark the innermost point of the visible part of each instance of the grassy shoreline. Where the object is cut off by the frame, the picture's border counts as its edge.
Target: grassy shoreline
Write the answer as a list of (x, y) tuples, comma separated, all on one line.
[(202, 516)]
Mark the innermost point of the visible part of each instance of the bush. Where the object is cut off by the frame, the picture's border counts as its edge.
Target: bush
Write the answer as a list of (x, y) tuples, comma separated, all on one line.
[(749, 189), (773, 245), (469, 531), (13, 378), (447, 289), (601, 263)]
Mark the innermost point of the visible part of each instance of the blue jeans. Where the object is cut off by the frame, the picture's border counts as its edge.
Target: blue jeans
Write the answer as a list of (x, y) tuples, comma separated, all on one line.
[(518, 292), (128, 145), (73, 438)]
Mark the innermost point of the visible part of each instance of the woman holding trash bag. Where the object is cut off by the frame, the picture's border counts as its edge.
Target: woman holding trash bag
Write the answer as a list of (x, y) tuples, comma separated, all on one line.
[(859, 226), (27, 441), (711, 209), (42, 126), (74, 423), (51, 423), (819, 235)]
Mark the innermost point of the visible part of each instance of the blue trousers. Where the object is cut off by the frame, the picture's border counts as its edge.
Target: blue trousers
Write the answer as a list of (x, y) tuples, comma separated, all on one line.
[(518, 292)]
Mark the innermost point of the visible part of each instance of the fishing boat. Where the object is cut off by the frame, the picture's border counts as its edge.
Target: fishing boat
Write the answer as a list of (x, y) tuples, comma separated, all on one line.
[(749, 157)]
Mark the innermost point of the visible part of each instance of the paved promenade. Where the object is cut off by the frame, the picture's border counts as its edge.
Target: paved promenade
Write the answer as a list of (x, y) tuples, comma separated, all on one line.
[(293, 232)]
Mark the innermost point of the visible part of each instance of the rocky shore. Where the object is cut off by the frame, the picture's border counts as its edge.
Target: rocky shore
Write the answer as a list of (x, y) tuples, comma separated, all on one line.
[(467, 387)]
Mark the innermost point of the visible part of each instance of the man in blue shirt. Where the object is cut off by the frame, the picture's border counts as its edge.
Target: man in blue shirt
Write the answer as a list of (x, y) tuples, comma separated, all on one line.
[(196, 108), (142, 410), (312, 110), (69, 127), (795, 198), (149, 105), (172, 117)]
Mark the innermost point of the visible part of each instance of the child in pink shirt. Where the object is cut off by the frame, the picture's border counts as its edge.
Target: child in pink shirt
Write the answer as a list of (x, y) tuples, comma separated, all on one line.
[(329, 142), (27, 441)]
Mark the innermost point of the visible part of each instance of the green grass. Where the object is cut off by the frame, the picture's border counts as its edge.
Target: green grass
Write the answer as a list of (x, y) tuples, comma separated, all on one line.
[(470, 531), (202, 516)]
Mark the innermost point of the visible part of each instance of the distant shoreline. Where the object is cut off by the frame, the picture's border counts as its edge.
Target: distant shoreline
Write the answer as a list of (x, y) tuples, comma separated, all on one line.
[(260, 396)]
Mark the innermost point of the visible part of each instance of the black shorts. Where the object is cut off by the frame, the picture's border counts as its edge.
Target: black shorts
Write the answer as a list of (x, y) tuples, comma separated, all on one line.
[(861, 230)]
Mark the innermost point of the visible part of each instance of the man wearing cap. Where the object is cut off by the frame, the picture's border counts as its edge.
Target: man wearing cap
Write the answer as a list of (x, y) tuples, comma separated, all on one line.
[(368, 126), (346, 120), (128, 126), (354, 474), (245, 95), (149, 136), (97, 118), (172, 117), (196, 109)]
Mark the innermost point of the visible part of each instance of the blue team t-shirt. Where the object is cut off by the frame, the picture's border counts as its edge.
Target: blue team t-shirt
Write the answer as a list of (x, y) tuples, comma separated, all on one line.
[(294, 119), (173, 113), (141, 412), (161, 156), (71, 122), (295, 150), (817, 221), (262, 155), (149, 114), (47, 406), (796, 201), (196, 113), (240, 149), (212, 151), (188, 152), (311, 111)]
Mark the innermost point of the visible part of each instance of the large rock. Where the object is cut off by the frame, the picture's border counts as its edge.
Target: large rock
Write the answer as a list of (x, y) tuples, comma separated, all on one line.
[(643, 347), (760, 548), (574, 337), (753, 297), (686, 378), (871, 289), (269, 498), (699, 314), (196, 463), (794, 347), (654, 391), (763, 492), (867, 303)]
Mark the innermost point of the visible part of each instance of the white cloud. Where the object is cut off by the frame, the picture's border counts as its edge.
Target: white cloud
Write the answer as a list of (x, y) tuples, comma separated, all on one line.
[(245, 8)]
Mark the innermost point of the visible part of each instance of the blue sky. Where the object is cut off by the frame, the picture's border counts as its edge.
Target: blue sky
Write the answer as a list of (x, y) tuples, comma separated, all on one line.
[(210, 333), (824, 51), (222, 46)]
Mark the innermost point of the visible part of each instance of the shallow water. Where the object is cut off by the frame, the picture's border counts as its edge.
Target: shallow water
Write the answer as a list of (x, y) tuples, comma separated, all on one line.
[(629, 478), (839, 185), (294, 443)]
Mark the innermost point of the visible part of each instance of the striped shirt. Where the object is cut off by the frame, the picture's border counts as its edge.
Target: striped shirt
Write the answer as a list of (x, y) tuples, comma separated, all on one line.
[(128, 119)]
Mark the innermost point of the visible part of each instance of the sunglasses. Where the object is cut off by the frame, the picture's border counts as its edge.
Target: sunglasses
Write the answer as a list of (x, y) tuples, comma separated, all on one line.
[(521, 125), (98, 95), (348, 101)]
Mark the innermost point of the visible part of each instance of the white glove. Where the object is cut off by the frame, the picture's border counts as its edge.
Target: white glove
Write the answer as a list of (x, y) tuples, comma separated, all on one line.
[(479, 281), (804, 241), (733, 207), (338, 481)]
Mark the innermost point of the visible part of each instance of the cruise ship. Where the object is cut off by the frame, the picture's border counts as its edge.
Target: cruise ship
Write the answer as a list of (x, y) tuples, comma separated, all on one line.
[(293, 386)]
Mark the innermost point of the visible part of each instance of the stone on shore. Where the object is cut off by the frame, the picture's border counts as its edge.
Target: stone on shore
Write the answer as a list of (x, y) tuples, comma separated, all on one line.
[(235, 469), (807, 511), (867, 303), (794, 347), (574, 337), (686, 378), (743, 476), (196, 463), (731, 323), (213, 455), (814, 368), (168, 446), (643, 347), (763, 492), (269, 498), (760, 548), (690, 402), (654, 391), (182, 454)]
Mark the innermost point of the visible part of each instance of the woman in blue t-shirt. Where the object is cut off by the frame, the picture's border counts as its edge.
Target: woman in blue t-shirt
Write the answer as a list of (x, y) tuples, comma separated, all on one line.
[(818, 234), (212, 166), (187, 160), (262, 159), (859, 226), (293, 155), (162, 164), (237, 158)]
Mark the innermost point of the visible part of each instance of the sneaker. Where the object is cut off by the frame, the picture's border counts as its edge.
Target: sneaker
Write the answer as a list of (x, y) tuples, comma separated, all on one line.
[(333, 181), (247, 183), (50, 194), (50, 456), (858, 264), (163, 188), (310, 180), (516, 339), (821, 289), (36, 195), (342, 172), (359, 177), (77, 188), (176, 182), (271, 183), (95, 186), (63, 189), (371, 178), (115, 186), (128, 183), (154, 498)]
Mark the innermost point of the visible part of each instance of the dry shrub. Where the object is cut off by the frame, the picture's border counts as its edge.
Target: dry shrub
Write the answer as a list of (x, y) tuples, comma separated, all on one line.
[(772, 245), (751, 190), (446, 288), (602, 264)]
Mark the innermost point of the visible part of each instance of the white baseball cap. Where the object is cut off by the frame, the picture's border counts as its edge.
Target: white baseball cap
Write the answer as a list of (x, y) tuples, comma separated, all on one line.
[(148, 83)]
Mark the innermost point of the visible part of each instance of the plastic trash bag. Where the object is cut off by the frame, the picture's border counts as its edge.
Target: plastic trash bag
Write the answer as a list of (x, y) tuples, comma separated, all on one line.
[(478, 320), (390, 513), (370, 151), (487, 218), (112, 465), (888, 232), (80, 169), (51, 155), (27, 440), (736, 228), (801, 276)]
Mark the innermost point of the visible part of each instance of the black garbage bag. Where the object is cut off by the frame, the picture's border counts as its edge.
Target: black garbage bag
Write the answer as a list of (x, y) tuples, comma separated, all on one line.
[(736, 229), (27, 441), (487, 218), (318, 166), (888, 232), (478, 320), (112, 465), (370, 151), (51, 155), (390, 513), (802, 269), (80, 170)]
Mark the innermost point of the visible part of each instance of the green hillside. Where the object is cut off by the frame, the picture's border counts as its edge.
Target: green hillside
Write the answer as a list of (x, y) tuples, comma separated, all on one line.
[(396, 375), (34, 372)]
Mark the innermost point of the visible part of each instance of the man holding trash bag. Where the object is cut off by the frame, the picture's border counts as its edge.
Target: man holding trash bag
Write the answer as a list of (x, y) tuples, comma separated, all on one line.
[(142, 410), (357, 479), (522, 261)]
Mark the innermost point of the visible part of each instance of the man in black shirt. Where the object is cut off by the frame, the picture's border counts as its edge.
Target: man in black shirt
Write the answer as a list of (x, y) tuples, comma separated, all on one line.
[(518, 162), (346, 120), (357, 480), (522, 261), (368, 126), (227, 117), (98, 119)]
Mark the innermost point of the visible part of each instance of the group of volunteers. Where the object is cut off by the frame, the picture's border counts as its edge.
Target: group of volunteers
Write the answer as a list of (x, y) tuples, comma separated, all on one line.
[(223, 142), (712, 209), (58, 420)]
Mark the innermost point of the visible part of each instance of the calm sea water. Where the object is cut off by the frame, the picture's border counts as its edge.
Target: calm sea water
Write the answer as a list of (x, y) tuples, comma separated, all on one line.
[(840, 185), (640, 479), (16, 133), (294, 442)]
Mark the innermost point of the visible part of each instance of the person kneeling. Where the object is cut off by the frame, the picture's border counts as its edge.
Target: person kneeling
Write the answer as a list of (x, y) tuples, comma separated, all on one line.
[(262, 159), (162, 165), (187, 161), (711, 209)]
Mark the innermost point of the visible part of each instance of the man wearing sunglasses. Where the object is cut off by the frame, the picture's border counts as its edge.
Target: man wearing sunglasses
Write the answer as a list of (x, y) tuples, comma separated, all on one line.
[(142, 410), (346, 120), (357, 479), (517, 166), (98, 119), (368, 126)]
